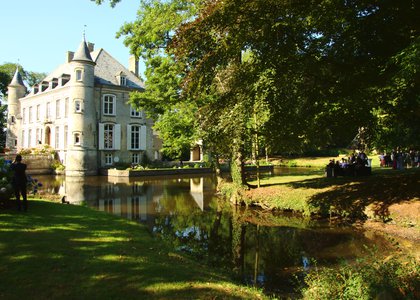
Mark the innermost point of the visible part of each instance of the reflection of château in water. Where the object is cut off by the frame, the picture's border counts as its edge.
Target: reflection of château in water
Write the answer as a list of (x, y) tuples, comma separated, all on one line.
[(139, 199)]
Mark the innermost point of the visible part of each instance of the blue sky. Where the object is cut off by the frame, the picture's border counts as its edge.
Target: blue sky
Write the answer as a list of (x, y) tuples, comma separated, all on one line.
[(38, 33)]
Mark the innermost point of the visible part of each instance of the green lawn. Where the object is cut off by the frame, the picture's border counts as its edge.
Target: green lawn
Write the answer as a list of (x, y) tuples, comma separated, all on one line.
[(57, 251), (313, 193)]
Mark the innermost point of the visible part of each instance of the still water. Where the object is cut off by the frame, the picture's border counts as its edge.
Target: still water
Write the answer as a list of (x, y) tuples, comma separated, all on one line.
[(262, 249)]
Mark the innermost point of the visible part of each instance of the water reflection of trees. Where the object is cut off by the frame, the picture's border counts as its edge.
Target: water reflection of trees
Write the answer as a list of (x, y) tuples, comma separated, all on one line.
[(262, 248)]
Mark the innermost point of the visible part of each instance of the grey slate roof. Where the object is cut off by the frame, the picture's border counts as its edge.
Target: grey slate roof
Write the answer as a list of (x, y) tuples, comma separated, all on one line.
[(17, 79), (82, 53), (106, 70)]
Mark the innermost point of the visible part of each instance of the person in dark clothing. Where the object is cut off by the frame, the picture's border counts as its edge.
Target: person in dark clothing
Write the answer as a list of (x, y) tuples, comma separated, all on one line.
[(19, 181)]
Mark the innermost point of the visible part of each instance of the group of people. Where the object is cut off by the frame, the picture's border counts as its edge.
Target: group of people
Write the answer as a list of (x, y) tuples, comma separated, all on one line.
[(399, 159), (354, 165)]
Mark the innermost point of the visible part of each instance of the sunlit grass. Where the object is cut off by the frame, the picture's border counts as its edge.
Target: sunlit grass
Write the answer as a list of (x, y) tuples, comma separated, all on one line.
[(57, 251), (313, 193)]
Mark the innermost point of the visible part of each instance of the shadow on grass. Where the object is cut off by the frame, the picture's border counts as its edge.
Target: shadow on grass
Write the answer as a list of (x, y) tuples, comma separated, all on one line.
[(349, 196), (70, 252)]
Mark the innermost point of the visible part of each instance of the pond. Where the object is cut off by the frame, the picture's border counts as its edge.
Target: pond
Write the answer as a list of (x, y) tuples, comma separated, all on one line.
[(263, 249)]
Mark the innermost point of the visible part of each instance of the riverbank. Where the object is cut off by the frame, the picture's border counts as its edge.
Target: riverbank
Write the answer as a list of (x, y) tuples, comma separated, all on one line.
[(57, 251), (388, 200)]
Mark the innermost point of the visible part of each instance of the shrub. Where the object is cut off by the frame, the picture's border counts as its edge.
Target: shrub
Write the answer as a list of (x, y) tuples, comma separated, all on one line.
[(57, 165), (6, 175), (122, 165), (372, 278)]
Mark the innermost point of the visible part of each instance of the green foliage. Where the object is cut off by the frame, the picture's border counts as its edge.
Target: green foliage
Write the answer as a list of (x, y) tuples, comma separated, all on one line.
[(122, 165), (7, 70), (57, 165), (176, 128), (45, 149), (5, 180), (375, 278)]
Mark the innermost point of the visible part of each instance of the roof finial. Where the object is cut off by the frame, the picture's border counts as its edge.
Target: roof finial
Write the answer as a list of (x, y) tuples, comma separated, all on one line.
[(84, 32)]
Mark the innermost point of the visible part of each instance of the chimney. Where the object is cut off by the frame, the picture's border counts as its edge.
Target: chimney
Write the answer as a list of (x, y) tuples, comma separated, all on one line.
[(69, 56), (91, 46), (133, 65)]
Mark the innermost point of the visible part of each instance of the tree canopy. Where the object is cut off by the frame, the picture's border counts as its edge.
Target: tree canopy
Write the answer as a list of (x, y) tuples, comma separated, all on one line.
[(290, 75), (324, 67)]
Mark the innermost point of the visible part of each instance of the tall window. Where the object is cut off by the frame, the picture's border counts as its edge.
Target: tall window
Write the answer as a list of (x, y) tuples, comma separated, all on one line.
[(30, 115), (30, 138), (135, 137), (78, 75), (57, 109), (57, 137), (108, 136), (108, 107), (48, 110), (66, 107), (134, 113), (38, 136), (24, 115), (24, 145), (38, 112), (66, 132)]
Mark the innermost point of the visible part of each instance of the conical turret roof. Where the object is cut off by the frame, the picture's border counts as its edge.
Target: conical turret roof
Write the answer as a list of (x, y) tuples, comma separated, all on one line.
[(17, 79), (83, 53)]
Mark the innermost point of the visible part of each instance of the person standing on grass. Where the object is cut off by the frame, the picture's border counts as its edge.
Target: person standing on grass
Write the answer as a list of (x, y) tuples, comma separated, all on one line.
[(19, 181)]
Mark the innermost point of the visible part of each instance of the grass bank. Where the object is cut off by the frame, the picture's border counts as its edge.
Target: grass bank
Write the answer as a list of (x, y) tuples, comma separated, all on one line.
[(57, 251), (354, 197)]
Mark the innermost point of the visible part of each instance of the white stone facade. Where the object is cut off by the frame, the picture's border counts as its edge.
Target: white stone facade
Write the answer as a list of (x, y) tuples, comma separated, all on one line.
[(81, 110)]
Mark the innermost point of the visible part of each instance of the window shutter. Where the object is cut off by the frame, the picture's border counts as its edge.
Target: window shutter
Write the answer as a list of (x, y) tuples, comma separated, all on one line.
[(117, 140), (143, 138), (129, 137), (101, 136)]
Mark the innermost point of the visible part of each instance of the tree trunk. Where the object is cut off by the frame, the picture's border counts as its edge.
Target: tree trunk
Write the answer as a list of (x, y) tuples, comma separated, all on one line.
[(237, 169)]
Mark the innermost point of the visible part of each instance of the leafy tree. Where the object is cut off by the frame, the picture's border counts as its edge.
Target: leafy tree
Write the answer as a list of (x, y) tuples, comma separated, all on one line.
[(329, 62), (148, 37), (7, 71), (296, 75)]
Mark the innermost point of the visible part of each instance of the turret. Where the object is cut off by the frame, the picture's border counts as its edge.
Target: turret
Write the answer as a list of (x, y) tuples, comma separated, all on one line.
[(82, 153), (15, 90)]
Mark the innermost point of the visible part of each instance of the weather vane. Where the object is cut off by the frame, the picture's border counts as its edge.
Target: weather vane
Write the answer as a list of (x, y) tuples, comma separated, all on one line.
[(84, 32)]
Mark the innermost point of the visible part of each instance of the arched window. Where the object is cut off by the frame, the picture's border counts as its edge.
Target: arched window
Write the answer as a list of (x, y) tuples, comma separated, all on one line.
[(109, 136)]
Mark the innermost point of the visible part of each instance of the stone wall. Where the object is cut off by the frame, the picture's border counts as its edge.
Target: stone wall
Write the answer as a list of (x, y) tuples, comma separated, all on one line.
[(36, 164)]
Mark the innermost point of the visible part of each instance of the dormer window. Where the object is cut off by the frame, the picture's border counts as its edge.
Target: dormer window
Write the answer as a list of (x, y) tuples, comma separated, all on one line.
[(54, 83), (122, 78), (64, 79), (44, 85)]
